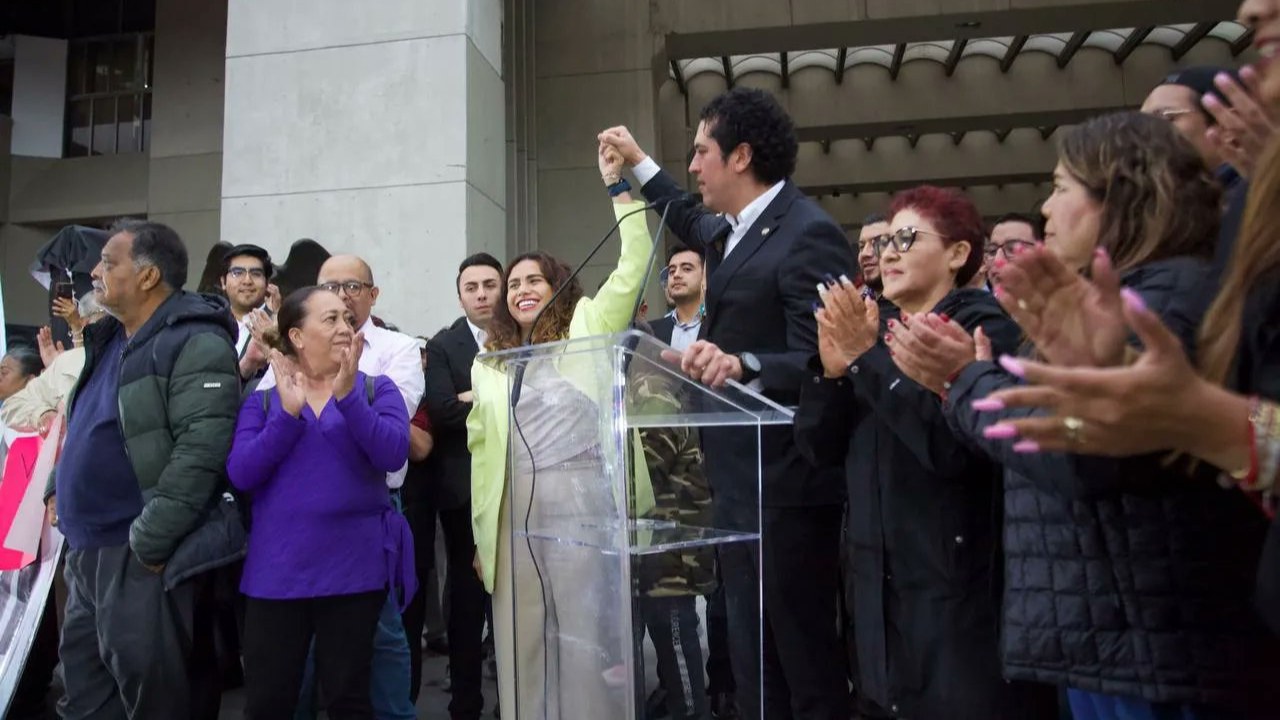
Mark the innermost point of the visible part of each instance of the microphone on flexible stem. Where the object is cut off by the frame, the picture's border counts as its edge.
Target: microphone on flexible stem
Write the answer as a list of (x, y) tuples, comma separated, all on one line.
[(517, 382)]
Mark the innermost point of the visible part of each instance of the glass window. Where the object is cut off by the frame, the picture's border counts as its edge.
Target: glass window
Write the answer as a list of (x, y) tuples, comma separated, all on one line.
[(104, 126), (79, 128), (109, 77)]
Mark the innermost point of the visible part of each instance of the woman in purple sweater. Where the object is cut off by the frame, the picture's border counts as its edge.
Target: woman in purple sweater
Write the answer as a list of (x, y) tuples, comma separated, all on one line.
[(325, 544)]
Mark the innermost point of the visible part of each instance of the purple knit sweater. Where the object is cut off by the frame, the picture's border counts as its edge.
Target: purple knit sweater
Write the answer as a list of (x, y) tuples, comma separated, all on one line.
[(323, 523)]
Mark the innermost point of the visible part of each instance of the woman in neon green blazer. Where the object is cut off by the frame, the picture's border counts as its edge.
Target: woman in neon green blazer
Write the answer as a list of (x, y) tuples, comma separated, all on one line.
[(530, 281)]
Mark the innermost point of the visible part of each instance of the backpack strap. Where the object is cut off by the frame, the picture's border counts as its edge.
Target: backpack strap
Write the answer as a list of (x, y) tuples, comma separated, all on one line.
[(368, 388)]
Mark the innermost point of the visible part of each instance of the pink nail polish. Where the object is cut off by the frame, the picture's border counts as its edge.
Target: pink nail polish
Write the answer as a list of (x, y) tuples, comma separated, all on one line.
[(1013, 365), (1133, 300), (987, 405), (1026, 447), (1000, 432)]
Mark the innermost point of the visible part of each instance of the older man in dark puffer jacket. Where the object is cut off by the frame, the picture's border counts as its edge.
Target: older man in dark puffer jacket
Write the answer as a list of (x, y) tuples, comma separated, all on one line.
[(150, 424)]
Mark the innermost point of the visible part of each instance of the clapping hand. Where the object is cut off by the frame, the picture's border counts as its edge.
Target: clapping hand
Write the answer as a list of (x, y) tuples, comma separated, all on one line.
[(49, 350), (346, 377), (273, 298), (932, 349), (289, 383), (1073, 322), (847, 326), (1243, 127), (1148, 406)]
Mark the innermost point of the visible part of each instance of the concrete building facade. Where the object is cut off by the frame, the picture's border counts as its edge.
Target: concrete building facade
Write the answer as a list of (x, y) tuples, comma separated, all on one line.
[(414, 133)]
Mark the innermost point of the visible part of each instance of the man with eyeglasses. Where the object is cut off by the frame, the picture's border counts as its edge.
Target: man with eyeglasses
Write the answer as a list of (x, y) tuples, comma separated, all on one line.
[(246, 272), (1178, 100), (396, 356), (873, 226), (1010, 233)]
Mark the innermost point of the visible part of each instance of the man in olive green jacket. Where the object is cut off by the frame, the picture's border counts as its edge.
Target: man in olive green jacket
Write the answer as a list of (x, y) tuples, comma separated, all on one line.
[(139, 483)]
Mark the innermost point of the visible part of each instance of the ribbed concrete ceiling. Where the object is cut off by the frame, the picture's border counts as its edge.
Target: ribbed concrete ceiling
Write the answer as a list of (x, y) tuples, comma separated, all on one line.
[(968, 109)]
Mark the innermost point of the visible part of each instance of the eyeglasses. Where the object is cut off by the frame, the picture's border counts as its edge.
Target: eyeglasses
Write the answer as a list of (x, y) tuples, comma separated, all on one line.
[(901, 239), (872, 242), (238, 273), (1171, 113), (353, 288), (1010, 247)]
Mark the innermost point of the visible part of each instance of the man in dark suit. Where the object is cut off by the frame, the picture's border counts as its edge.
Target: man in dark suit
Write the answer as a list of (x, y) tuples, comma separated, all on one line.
[(684, 286), (766, 253), (448, 400)]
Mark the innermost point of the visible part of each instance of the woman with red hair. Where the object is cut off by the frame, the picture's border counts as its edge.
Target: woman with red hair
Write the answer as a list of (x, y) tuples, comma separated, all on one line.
[(923, 527)]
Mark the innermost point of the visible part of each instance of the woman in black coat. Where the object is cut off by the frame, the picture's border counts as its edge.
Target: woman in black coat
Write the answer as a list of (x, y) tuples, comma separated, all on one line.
[(924, 508), (1127, 581)]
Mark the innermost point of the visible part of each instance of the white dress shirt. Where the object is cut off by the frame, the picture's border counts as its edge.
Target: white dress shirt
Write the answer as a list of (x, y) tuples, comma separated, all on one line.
[(478, 333), (243, 337), (648, 169), (395, 355)]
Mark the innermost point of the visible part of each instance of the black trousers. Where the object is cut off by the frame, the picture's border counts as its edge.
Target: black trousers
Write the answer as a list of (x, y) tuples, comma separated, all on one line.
[(467, 603), (420, 512), (672, 623), (129, 648), (277, 636), (803, 673), (719, 664), (30, 697)]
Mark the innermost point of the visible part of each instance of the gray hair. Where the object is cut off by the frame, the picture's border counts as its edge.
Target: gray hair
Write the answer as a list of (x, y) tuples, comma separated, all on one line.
[(89, 306), (158, 245)]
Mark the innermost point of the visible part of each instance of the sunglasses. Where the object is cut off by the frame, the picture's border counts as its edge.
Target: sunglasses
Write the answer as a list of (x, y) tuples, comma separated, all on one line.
[(1010, 247), (901, 240)]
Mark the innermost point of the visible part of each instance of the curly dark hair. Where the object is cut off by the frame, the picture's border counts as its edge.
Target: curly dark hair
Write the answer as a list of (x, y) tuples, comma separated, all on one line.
[(504, 332), (754, 117), (1158, 198)]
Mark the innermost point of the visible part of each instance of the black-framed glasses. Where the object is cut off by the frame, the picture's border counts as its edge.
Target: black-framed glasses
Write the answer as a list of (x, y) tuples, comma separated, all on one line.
[(353, 288), (872, 242), (1010, 247), (901, 239), (238, 273)]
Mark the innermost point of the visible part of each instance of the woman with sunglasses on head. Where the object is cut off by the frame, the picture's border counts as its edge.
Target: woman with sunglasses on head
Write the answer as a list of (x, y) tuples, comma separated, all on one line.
[(1128, 582), (923, 520), (559, 673)]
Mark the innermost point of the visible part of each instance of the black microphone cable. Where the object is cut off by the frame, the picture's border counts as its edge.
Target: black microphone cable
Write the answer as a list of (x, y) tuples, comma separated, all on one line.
[(516, 385)]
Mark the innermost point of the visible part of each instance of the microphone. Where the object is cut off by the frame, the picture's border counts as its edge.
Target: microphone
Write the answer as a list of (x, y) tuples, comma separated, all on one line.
[(517, 382), (680, 199)]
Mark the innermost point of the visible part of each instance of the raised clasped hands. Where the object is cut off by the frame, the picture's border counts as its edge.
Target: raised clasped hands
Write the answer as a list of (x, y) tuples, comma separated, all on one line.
[(620, 138), (932, 348), (610, 162), (1073, 322), (848, 324)]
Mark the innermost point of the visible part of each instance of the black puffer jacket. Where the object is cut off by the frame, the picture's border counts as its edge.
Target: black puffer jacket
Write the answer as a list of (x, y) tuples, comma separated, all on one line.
[(1126, 577), (922, 535)]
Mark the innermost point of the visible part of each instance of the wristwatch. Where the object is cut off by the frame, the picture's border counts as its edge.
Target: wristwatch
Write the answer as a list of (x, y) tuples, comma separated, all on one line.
[(750, 367)]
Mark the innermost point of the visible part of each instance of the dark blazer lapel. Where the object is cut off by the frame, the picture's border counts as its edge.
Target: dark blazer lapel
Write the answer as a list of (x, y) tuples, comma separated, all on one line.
[(756, 237)]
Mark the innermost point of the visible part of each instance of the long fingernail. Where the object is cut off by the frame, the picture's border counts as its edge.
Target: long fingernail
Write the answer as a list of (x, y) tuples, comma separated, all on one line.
[(829, 279), (1222, 80), (888, 337), (1133, 300), (815, 306), (844, 280), (1209, 100), (944, 317), (1026, 447), (822, 289), (1013, 365), (987, 405), (893, 323), (1000, 432)]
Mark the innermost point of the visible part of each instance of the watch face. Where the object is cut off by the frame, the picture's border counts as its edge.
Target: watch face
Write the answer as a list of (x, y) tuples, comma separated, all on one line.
[(750, 362)]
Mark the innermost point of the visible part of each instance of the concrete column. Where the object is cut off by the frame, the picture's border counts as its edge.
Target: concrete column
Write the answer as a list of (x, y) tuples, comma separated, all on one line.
[(375, 128), (594, 69), (184, 179)]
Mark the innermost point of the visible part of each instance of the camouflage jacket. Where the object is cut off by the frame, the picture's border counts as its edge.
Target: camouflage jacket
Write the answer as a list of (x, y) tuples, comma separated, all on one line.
[(682, 495)]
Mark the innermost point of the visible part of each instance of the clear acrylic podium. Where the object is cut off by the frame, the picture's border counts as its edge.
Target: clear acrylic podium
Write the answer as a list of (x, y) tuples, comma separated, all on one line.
[(612, 527)]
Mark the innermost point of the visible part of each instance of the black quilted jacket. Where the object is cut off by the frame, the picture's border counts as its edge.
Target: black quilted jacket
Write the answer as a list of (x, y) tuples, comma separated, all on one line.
[(1127, 577)]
